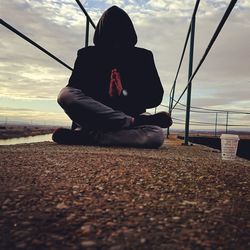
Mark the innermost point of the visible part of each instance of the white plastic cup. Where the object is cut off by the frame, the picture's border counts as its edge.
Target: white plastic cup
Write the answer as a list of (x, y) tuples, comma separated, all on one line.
[(229, 146)]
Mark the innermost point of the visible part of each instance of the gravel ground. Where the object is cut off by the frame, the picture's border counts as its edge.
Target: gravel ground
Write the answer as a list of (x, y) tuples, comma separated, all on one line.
[(75, 197)]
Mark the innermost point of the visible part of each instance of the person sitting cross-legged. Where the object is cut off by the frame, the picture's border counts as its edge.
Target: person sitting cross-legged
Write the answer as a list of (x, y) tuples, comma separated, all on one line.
[(111, 86)]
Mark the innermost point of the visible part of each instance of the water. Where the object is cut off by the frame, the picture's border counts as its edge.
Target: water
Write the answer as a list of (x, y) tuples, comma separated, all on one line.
[(29, 139)]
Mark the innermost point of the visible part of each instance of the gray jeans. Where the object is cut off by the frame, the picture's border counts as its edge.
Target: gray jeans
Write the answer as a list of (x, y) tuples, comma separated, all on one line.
[(114, 127)]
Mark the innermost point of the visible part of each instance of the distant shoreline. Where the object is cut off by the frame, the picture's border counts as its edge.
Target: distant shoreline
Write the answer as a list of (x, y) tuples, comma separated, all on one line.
[(18, 131)]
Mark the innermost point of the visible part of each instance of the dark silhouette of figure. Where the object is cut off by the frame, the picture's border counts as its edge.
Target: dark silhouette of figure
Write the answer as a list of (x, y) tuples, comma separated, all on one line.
[(111, 85)]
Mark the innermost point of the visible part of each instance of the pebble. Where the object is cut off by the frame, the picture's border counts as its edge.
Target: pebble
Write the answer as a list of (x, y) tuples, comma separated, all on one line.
[(70, 217), (86, 229), (25, 223), (21, 245), (88, 243), (61, 205), (7, 201), (36, 242), (189, 203), (110, 224), (57, 237), (175, 218), (118, 247)]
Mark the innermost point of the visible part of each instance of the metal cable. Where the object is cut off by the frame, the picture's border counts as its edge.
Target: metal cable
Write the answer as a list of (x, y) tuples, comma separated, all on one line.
[(195, 111), (215, 110), (214, 37), (209, 123), (86, 14), (8, 26)]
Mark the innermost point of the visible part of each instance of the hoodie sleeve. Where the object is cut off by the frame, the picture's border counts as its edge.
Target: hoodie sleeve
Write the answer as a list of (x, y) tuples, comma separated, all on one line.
[(153, 90), (76, 77), (88, 75), (145, 89)]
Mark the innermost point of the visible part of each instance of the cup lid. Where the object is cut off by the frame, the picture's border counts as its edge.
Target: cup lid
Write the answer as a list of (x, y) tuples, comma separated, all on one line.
[(229, 136)]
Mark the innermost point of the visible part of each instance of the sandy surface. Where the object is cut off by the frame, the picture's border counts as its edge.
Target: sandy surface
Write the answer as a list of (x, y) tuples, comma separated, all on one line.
[(76, 197)]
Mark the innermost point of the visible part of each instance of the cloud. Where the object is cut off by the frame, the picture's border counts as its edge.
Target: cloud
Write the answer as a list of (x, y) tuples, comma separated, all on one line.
[(157, 4), (116, 2), (59, 26)]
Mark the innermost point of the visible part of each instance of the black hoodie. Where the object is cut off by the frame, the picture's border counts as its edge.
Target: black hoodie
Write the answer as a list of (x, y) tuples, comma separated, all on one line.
[(115, 40)]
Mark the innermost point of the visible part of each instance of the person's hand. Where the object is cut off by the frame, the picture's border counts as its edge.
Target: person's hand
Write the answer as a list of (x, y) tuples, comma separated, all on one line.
[(115, 86)]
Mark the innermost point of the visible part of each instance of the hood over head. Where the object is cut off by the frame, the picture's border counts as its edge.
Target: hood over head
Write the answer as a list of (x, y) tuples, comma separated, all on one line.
[(115, 29)]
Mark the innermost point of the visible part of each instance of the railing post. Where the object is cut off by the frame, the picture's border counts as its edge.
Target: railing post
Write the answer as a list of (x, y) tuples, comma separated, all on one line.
[(227, 123), (216, 121), (190, 72), (169, 110), (87, 33), (172, 97)]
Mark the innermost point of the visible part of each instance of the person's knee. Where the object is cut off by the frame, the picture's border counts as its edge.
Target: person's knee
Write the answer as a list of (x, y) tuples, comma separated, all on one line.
[(62, 97), (65, 98), (155, 137)]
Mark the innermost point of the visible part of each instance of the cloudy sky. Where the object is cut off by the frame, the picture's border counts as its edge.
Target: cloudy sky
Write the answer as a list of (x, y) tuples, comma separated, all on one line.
[(30, 80)]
